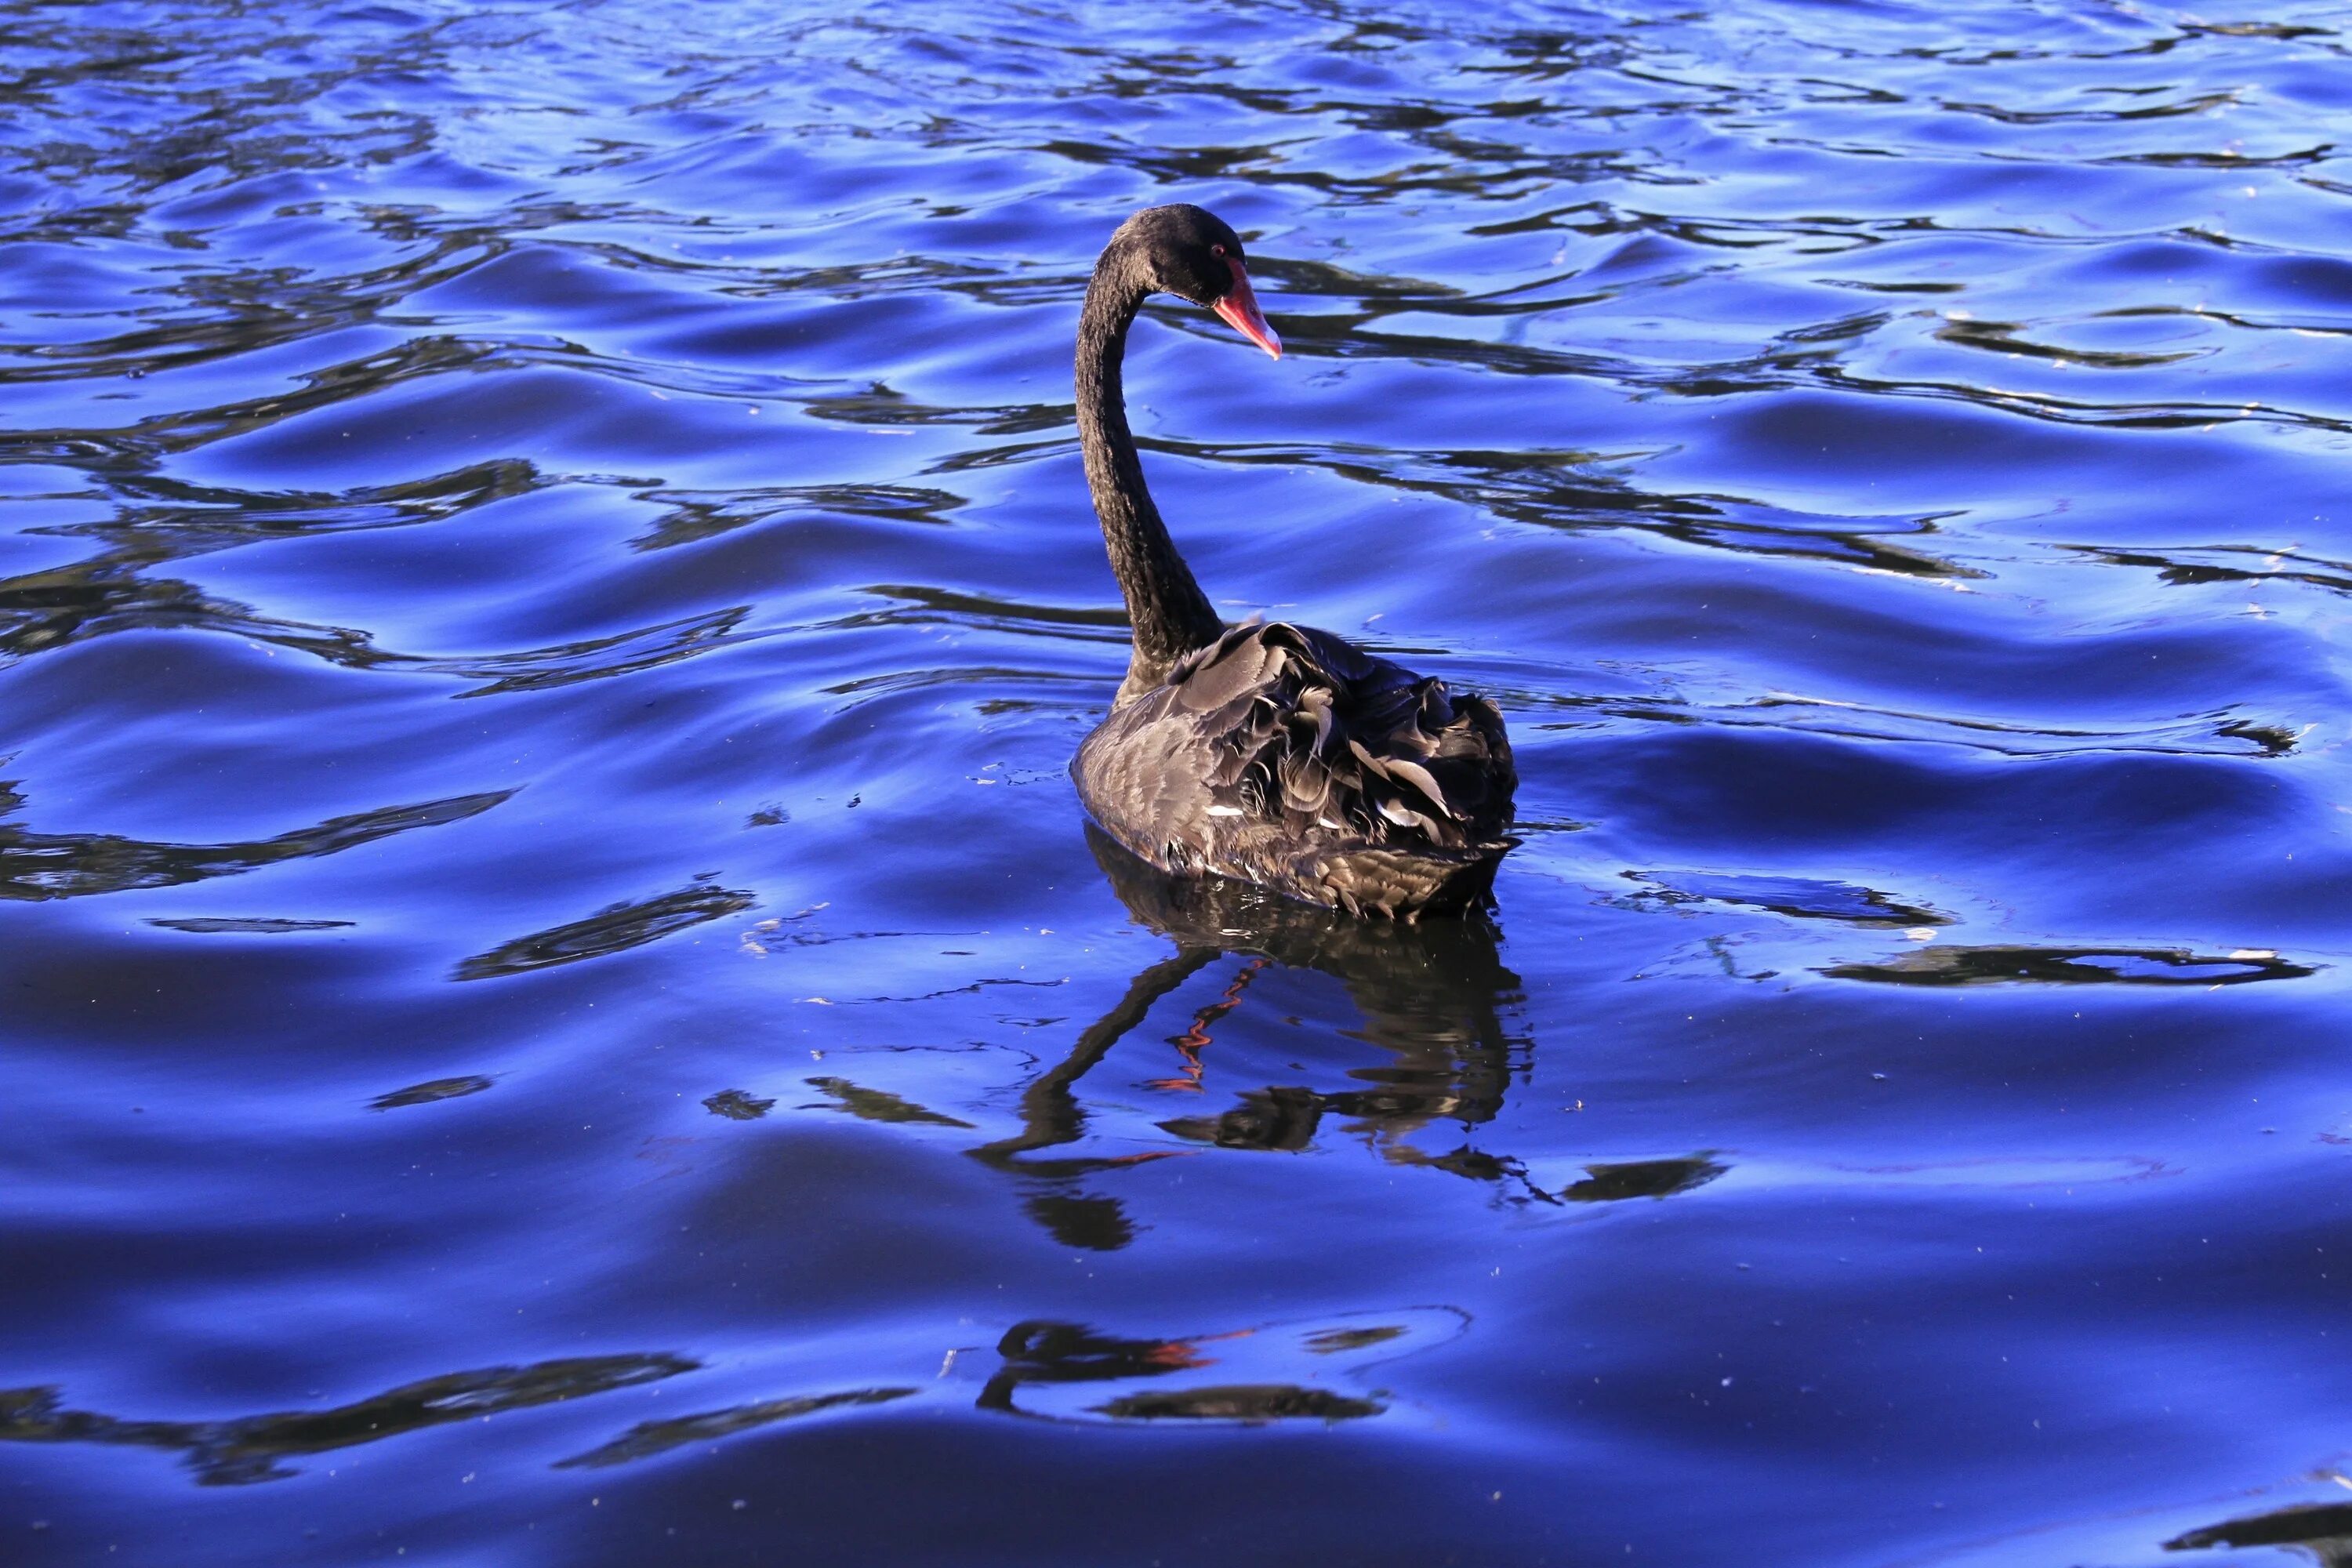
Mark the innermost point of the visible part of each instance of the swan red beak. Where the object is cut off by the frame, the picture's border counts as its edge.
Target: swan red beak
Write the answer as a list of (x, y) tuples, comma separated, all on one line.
[(1239, 308)]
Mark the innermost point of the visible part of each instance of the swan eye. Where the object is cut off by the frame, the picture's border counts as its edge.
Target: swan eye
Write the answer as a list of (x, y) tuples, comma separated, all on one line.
[(1216, 250)]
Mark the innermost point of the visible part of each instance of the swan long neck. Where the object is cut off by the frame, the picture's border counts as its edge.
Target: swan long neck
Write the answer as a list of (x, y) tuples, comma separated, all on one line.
[(1169, 614)]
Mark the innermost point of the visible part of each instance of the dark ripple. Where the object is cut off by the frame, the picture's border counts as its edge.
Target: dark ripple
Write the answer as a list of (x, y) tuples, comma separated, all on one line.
[(246, 925), (1643, 1179), (431, 1092), (650, 1438), (2323, 1530), (615, 929), (42, 866), (253, 1447), (1964, 965), (1789, 896)]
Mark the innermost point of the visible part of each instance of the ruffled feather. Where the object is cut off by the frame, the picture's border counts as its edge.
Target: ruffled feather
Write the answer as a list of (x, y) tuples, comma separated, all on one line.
[(1287, 756)]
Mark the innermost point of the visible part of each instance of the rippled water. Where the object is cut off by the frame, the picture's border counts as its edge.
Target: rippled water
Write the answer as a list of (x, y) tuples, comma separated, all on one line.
[(561, 1008)]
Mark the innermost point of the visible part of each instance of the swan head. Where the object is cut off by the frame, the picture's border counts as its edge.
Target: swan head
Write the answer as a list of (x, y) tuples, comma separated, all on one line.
[(1190, 252)]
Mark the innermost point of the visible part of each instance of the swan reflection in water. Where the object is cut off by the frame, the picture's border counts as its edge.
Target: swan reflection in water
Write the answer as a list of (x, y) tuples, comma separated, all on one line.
[(1437, 997)]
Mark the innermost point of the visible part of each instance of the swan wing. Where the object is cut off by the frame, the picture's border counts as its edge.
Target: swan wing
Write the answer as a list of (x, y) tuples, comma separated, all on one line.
[(1278, 742)]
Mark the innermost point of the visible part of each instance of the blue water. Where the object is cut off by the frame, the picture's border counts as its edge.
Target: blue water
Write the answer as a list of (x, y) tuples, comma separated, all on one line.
[(560, 1005)]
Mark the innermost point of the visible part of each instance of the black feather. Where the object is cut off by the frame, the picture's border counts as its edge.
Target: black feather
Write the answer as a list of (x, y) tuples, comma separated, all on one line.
[(1287, 757)]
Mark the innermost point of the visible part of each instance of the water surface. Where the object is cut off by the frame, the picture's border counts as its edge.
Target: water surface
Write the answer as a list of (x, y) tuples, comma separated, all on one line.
[(561, 1008)]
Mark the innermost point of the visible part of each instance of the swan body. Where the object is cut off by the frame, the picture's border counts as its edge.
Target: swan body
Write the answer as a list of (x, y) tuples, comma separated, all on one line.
[(1268, 751)]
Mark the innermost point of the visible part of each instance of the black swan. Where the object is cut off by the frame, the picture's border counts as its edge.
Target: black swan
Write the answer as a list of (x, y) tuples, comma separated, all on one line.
[(1268, 751)]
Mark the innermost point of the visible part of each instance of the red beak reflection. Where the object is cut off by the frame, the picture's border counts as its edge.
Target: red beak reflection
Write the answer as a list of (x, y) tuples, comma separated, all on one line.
[(1239, 308)]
